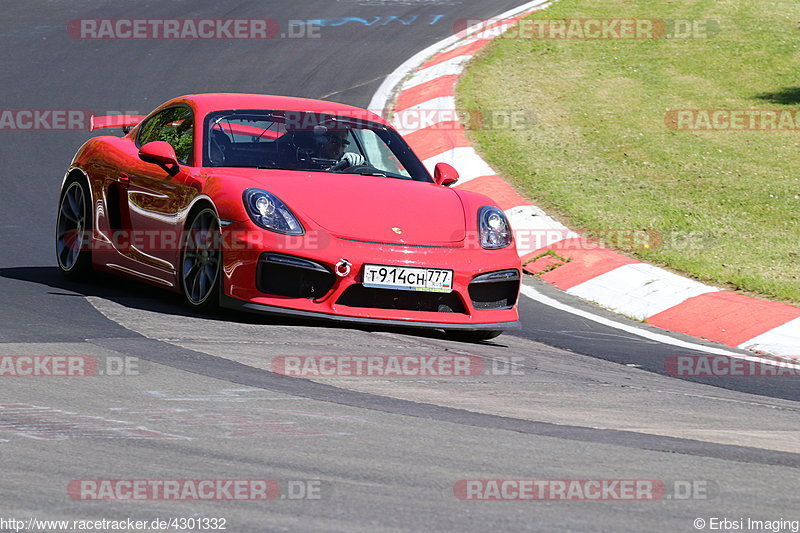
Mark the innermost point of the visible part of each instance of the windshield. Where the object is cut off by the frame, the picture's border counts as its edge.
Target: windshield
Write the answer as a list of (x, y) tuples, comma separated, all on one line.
[(308, 142)]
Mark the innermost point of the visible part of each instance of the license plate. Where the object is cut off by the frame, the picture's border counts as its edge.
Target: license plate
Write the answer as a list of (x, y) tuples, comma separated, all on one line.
[(408, 278)]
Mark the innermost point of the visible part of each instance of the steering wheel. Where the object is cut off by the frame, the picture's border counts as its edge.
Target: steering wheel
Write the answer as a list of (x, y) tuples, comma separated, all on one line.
[(357, 169), (341, 165)]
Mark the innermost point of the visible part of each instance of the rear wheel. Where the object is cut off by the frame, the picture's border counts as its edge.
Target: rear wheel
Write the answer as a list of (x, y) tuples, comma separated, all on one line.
[(74, 230), (200, 261), (473, 336)]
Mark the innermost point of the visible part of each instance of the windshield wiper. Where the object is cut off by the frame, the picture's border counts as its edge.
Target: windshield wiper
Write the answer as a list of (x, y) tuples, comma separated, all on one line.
[(370, 173), (379, 174)]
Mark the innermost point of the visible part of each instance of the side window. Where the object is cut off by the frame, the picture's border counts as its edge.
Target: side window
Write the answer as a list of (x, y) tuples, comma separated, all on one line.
[(378, 153), (175, 126)]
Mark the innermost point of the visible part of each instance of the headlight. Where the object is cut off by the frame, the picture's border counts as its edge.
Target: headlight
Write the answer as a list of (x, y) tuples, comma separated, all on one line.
[(494, 228), (267, 210)]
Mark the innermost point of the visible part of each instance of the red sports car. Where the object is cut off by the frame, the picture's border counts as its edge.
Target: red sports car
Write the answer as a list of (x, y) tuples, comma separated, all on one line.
[(291, 206)]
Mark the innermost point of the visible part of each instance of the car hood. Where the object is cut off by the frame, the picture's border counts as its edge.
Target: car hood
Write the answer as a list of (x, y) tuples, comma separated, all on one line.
[(364, 208)]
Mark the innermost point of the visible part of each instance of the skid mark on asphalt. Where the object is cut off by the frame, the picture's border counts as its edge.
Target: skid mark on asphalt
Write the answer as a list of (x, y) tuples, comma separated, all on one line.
[(600, 336), (233, 422), (236, 422), (227, 395), (45, 423), (49, 424), (229, 421)]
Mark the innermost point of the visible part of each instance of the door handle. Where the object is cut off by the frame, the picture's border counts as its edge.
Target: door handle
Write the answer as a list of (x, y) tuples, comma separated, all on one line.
[(123, 177)]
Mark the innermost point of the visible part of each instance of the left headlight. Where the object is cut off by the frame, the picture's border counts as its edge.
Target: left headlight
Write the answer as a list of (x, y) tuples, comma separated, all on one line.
[(494, 228), (269, 212)]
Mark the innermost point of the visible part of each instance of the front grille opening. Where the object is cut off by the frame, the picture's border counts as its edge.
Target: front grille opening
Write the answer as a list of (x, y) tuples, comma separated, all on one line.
[(360, 296), (496, 295), (277, 277)]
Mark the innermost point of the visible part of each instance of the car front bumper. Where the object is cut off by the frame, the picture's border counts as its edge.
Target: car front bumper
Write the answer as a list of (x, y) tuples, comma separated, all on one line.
[(277, 274)]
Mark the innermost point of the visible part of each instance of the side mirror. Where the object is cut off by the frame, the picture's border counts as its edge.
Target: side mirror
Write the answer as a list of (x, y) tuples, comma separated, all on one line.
[(162, 154), (444, 174)]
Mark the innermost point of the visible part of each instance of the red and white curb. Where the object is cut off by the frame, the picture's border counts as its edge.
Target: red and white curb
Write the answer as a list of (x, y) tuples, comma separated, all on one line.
[(426, 82)]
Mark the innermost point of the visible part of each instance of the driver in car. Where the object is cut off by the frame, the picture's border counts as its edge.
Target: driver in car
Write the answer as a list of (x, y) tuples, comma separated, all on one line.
[(333, 147), (325, 149)]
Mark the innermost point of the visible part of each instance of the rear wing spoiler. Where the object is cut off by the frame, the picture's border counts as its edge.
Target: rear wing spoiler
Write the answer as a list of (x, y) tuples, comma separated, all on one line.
[(126, 122)]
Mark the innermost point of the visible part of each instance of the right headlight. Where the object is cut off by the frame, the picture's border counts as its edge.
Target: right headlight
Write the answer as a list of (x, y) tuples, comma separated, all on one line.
[(494, 228), (269, 212)]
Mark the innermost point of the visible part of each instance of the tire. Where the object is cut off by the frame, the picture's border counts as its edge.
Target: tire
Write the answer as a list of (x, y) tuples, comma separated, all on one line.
[(473, 336), (74, 229), (201, 260)]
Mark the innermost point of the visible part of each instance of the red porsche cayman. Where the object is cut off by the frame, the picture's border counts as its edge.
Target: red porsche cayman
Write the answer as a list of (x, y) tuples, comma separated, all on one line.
[(291, 206)]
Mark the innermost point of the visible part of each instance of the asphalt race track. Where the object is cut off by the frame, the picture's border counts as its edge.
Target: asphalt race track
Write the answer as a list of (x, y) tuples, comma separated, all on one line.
[(578, 401)]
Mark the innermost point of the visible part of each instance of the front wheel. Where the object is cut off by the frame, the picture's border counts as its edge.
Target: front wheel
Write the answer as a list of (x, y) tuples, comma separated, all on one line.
[(74, 230), (200, 261), (473, 336)]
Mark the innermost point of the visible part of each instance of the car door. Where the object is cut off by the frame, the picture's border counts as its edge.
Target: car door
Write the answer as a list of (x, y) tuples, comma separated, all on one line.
[(157, 200)]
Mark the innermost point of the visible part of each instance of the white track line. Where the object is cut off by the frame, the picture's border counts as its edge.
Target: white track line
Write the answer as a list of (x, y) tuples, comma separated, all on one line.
[(533, 294)]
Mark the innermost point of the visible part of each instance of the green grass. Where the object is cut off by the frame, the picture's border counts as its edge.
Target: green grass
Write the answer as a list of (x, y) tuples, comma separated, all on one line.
[(600, 155)]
